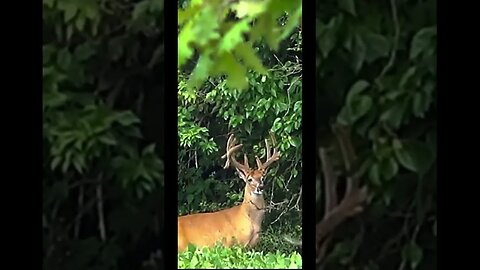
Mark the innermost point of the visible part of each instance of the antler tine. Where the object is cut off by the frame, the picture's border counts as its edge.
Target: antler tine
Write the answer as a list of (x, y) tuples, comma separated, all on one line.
[(268, 149), (229, 143), (270, 158), (259, 162), (230, 154), (245, 161)]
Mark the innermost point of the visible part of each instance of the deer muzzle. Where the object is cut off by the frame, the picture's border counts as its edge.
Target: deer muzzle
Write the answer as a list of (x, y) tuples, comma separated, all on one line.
[(259, 189)]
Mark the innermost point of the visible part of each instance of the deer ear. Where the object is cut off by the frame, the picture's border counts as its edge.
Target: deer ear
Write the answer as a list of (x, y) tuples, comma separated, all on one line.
[(242, 174)]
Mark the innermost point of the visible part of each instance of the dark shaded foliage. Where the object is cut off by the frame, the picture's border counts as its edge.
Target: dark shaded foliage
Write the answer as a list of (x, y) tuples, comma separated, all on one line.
[(376, 72), (103, 133)]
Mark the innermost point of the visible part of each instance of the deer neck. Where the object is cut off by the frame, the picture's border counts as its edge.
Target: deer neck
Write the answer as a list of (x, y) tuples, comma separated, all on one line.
[(253, 205)]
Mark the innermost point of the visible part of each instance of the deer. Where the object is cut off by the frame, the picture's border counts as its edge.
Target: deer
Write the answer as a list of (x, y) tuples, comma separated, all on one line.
[(337, 212), (240, 224)]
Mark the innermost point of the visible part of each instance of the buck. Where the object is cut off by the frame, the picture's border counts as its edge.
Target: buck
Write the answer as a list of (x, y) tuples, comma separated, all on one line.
[(240, 224)]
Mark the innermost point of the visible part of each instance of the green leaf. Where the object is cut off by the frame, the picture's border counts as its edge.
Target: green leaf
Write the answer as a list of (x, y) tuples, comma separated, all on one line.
[(69, 31), (184, 38), (127, 118), (348, 6), (394, 115), (150, 149), (234, 36), (415, 156), (249, 8), (405, 77), (277, 124), (360, 106), (77, 163), (377, 46), (64, 59), (356, 89), (236, 73), (374, 174), (48, 53), (357, 105), (140, 9), (54, 99), (189, 198), (422, 40), (419, 103), (70, 10), (48, 3), (205, 28), (201, 71), (248, 55), (186, 14), (84, 51), (389, 168), (56, 160), (91, 9), (80, 23), (359, 53), (326, 38), (294, 141), (108, 139), (413, 254)]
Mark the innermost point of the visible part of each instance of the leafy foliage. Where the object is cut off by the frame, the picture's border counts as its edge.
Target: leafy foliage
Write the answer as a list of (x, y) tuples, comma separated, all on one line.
[(236, 258), (376, 73), (224, 34), (217, 106), (102, 177)]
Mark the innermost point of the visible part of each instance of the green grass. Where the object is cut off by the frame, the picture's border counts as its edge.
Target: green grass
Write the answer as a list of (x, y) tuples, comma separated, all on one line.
[(237, 257)]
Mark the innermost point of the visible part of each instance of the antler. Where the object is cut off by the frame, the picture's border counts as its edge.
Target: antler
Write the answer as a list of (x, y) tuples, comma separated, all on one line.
[(351, 203), (230, 155), (270, 157)]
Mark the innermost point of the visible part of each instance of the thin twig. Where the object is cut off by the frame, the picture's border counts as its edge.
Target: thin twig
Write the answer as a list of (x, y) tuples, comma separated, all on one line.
[(393, 53), (78, 222), (196, 159), (101, 220), (298, 199), (280, 62)]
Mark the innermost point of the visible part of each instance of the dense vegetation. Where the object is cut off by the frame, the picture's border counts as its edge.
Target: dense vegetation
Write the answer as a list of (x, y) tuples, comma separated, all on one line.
[(246, 80), (237, 258), (103, 128), (103, 133), (376, 73)]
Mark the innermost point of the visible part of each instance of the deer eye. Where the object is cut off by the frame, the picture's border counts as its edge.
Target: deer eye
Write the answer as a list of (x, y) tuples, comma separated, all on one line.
[(250, 180)]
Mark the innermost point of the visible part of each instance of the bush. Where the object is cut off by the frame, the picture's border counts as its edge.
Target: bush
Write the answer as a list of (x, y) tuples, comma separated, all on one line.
[(236, 257)]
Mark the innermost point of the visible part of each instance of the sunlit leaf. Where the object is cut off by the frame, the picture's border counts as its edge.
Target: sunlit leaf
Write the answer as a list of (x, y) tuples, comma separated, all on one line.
[(249, 8), (234, 36), (248, 55)]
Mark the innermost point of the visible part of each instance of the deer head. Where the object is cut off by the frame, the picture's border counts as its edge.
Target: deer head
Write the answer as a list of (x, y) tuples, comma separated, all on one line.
[(253, 177)]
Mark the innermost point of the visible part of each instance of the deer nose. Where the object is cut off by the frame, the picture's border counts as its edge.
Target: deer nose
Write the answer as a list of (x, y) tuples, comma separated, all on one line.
[(260, 186)]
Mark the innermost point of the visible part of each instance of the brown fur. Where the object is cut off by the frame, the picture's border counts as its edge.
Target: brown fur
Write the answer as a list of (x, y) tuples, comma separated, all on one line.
[(240, 224)]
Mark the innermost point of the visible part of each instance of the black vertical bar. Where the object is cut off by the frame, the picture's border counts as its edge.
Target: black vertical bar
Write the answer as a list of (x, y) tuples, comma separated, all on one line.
[(171, 138), (308, 132)]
